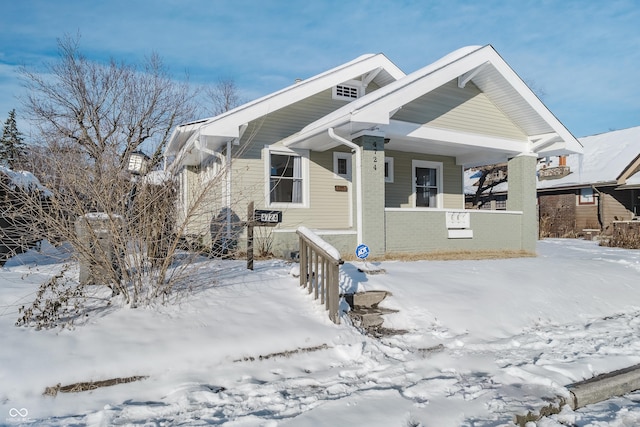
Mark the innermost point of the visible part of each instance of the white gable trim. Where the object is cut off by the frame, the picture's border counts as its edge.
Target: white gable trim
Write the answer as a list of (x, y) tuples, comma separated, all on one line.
[(375, 109), (227, 126)]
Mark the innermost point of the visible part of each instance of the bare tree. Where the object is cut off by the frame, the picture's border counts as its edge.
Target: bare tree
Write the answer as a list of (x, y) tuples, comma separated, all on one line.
[(490, 176), (223, 96), (90, 117), (105, 109)]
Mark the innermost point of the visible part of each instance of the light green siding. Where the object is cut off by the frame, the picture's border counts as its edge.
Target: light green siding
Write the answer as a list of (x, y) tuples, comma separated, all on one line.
[(327, 208), (373, 189), (464, 109), (522, 196), (414, 231), (398, 193)]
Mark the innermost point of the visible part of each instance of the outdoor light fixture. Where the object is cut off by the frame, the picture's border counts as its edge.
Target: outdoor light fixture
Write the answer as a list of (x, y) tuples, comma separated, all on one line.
[(138, 163)]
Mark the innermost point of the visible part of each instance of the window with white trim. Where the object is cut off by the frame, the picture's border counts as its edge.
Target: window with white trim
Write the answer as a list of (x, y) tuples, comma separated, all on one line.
[(286, 178), (427, 184), (342, 165), (388, 169)]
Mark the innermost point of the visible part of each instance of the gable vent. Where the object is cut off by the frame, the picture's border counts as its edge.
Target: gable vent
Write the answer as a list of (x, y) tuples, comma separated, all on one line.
[(346, 92)]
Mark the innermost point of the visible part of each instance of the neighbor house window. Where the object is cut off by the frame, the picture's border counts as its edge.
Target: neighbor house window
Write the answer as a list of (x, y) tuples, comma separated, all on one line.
[(427, 184), (342, 165), (286, 178), (586, 197)]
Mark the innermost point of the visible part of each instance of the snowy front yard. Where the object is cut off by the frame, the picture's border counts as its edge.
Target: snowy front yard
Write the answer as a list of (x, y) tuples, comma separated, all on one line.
[(486, 340)]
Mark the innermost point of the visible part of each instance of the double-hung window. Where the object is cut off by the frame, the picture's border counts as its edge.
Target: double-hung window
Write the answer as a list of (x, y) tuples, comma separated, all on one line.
[(286, 178), (427, 188)]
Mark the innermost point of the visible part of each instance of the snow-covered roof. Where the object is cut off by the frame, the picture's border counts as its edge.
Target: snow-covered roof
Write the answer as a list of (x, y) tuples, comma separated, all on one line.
[(605, 158), (23, 180)]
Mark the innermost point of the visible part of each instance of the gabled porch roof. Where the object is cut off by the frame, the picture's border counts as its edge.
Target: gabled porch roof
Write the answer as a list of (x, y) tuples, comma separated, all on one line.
[(541, 132)]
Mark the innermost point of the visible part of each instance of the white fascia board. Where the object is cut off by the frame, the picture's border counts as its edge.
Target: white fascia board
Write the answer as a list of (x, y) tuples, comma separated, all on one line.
[(415, 85), (483, 158), (170, 149), (299, 137), (471, 139), (559, 148), (377, 107), (571, 143), (179, 136), (228, 123), (428, 79)]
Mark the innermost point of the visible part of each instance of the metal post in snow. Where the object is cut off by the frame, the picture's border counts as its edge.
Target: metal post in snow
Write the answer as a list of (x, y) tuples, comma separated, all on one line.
[(250, 224)]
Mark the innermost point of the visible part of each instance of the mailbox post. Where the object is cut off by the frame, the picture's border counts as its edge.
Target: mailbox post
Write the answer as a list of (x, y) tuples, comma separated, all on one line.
[(258, 218)]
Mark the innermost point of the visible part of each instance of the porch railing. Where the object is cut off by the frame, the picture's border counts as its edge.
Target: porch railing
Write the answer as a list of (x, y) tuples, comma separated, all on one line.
[(320, 270)]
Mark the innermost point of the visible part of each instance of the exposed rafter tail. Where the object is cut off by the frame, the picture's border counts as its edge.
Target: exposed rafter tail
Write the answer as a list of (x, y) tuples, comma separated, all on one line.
[(538, 142)]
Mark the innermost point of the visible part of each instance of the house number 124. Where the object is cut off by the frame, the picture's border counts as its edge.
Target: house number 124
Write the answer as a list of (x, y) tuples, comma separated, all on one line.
[(375, 155)]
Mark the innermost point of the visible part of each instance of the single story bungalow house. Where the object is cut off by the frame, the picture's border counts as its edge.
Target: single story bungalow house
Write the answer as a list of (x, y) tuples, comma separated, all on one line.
[(366, 154)]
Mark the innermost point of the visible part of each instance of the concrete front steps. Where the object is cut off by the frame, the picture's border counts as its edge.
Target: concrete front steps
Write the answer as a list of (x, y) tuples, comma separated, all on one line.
[(367, 315)]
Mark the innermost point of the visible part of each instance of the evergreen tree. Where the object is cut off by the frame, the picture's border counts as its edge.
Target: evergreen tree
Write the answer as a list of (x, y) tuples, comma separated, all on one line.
[(12, 149)]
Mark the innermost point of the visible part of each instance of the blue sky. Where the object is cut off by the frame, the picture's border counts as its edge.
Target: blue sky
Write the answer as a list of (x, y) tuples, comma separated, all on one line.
[(582, 56)]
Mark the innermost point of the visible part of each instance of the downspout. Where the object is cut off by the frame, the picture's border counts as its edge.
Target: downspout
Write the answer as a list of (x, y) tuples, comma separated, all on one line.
[(228, 195), (600, 207), (226, 164), (354, 149)]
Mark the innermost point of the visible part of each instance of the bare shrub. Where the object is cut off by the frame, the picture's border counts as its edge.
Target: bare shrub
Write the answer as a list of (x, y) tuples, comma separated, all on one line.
[(625, 235), (90, 117), (58, 302)]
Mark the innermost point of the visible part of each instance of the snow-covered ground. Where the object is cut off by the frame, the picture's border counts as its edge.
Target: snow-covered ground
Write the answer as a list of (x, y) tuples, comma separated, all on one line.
[(486, 340)]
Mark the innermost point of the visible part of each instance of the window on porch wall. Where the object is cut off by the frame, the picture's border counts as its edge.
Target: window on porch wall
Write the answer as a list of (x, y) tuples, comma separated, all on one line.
[(285, 178)]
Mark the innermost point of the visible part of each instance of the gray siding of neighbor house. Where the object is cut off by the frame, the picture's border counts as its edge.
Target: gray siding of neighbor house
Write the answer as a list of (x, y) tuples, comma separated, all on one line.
[(464, 109), (616, 206)]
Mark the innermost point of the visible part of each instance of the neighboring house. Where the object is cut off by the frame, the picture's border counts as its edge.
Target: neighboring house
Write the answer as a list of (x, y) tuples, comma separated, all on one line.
[(363, 153), (588, 193), (493, 192), (22, 200)]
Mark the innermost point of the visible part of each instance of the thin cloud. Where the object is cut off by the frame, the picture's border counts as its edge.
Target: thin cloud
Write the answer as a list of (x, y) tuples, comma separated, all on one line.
[(583, 55)]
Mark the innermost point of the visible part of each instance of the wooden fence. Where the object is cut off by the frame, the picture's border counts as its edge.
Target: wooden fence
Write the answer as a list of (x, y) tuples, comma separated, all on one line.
[(320, 271)]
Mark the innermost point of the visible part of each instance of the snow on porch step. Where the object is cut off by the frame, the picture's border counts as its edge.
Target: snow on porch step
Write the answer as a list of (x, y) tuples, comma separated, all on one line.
[(368, 299), (369, 317)]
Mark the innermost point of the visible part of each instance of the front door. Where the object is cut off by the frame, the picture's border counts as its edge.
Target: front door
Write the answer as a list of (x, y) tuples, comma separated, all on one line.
[(426, 187)]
